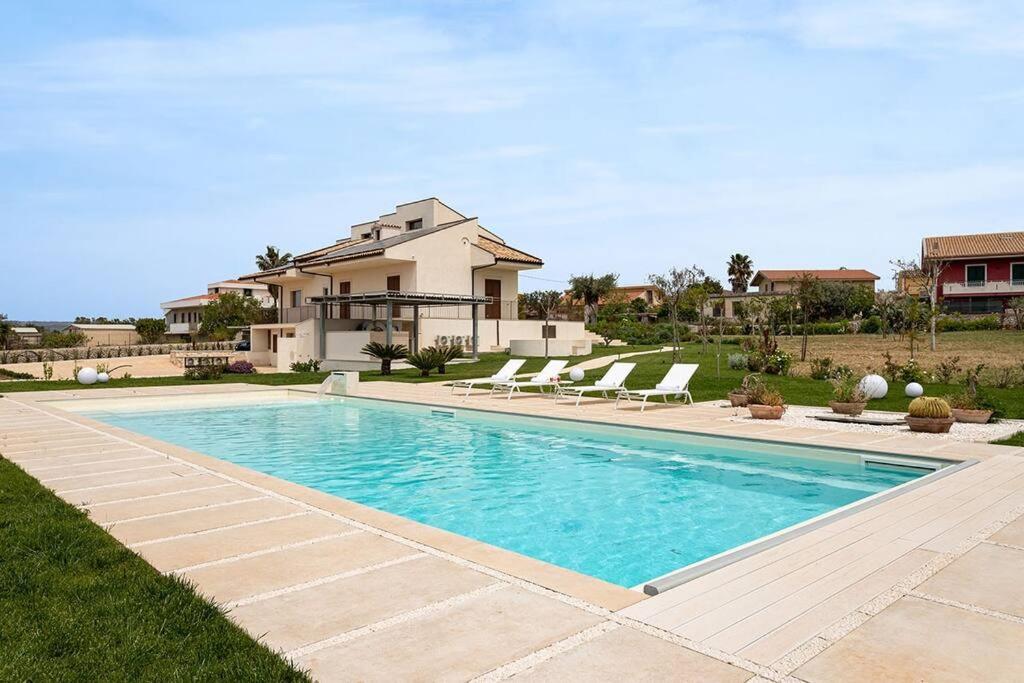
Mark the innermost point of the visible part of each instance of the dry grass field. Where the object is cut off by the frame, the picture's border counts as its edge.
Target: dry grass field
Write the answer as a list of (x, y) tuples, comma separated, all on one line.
[(864, 352)]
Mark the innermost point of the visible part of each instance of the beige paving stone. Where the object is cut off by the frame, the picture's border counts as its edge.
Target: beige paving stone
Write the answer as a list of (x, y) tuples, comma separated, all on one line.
[(626, 654), (1012, 533), (313, 614), (217, 545), (915, 640), (224, 493), (293, 566), (83, 458), (107, 464), (988, 576), (455, 644), (165, 526), (137, 489), (140, 475)]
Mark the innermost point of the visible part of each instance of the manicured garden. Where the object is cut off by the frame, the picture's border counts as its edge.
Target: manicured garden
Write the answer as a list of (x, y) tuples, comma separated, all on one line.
[(77, 605)]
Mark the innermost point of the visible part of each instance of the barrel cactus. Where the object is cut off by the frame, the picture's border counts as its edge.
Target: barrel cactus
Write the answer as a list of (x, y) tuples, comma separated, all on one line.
[(929, 406)]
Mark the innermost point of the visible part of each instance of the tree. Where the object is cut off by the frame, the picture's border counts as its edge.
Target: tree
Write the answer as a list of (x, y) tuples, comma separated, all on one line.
[(887, 305), (741, 269), (385, 353), (544, 303), (698, 296), (270, 259), (807, 289), (929, 272), (589, 289), (6, 331), (1016, 304), (675, 285), (150, 330), (226, 311)]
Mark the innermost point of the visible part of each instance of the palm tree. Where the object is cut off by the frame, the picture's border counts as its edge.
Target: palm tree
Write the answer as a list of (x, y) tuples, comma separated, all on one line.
[(269, 260), (6, 331), (386, 353), (589, 289), (741, 268)]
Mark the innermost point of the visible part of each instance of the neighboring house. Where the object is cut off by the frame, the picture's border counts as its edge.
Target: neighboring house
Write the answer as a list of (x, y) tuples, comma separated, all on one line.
[(184, 315), (27, 336), (422, 275), (649, 293), (781, 282), (979, 273), (912, 282), (97, 334)]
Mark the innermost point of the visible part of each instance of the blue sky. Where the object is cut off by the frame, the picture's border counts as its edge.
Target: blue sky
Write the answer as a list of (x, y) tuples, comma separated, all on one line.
[(150, 147)]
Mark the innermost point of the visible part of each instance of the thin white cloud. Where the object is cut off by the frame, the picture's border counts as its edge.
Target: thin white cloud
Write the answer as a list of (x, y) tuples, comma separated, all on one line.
[(401, 63)]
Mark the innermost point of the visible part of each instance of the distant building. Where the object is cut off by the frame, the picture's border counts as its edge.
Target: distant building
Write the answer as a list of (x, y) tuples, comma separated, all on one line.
[(27, 336), (652, 295), (980, 272), (103, 334), (184, 315), (781, 282)]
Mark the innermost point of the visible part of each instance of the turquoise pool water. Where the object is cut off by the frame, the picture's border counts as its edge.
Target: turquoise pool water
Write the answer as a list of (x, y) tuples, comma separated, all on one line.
[(602, 501)]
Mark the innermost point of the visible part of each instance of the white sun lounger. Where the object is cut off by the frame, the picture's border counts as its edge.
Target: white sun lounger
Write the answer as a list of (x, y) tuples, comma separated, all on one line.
[(612, 381), (676, 381), (507, 372), (544, 378)]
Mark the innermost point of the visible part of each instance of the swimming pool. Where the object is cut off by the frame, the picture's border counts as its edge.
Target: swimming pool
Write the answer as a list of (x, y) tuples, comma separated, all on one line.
[(624, 505)]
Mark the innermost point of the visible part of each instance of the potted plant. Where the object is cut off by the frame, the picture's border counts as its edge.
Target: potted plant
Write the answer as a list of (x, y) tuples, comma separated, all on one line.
[(847, 397), (765, 402), (967, 405), (739, 397), (929, 414)]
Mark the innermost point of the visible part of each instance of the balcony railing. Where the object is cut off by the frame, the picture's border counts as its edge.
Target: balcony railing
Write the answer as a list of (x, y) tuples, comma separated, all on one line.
[(504, 309), (985, 287)]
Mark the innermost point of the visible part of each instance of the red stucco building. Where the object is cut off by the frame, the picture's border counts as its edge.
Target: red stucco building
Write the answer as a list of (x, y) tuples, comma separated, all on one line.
[(980, 273)]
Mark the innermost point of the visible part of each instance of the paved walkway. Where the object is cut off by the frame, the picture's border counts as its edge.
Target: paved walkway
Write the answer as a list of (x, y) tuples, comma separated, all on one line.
[(357, 594)]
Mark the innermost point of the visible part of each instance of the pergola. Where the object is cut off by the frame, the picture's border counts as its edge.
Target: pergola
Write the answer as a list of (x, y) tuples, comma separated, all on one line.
[(391, 298)]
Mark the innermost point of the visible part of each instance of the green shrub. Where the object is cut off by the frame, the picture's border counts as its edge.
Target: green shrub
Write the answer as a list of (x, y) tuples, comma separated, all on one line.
[(11, 374), (204, 372), (958, 323), (871, 325), (777, 362), (821, 368), (424, 360), (738, 361), (311, 365)]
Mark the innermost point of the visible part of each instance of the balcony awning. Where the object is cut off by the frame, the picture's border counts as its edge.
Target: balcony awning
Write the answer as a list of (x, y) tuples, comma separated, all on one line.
[(405, 298)]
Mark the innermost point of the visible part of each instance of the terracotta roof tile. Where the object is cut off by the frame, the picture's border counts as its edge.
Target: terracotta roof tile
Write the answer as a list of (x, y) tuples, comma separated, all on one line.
[(857, 274), (503, 252), (973, 246)]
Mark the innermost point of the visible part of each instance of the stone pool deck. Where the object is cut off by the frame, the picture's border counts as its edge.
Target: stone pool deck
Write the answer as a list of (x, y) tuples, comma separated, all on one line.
[(924, 586)]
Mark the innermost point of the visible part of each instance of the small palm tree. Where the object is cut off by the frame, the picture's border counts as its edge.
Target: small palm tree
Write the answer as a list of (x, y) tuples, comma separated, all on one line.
[(425, 360), (741, 268), (386, 353), (270, 259), (445, 355)]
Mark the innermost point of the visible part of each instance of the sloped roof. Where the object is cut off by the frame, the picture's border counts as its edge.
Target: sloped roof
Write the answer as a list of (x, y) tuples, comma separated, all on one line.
[(101, 326), (973, 246), (855, 274), (25, 330), (196, 297), (503, 252), (354, 248)]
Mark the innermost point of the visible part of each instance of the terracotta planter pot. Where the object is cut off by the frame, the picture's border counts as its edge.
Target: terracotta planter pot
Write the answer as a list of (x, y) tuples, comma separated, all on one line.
[(737, 400), (979, 417), (852, 409), (931, 425), (761, 412)]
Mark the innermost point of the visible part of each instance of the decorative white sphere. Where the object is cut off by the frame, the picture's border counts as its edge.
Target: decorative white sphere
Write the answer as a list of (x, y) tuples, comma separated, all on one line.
[(914, 390), (576, 374), (874, 386), (87, 376), (102, 378)]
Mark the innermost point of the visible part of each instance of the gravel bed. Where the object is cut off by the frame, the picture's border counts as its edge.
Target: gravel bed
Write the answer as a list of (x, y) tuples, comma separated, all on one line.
[(802, 416)]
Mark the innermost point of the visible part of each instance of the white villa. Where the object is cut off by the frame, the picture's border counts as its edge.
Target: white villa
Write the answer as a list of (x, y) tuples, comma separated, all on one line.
[(422, 275), (184, 315)]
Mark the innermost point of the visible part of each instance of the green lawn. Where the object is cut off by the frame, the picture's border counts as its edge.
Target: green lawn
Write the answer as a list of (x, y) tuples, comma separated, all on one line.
[(76, 605), (1015, 440), (706, 384)]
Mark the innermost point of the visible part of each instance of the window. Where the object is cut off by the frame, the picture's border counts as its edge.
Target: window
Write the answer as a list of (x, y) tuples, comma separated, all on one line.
[(175, 318), (1017, 273), (548, 332), (296, 298), (246, 292), (974, 275), (366, 235), (414, 225)]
